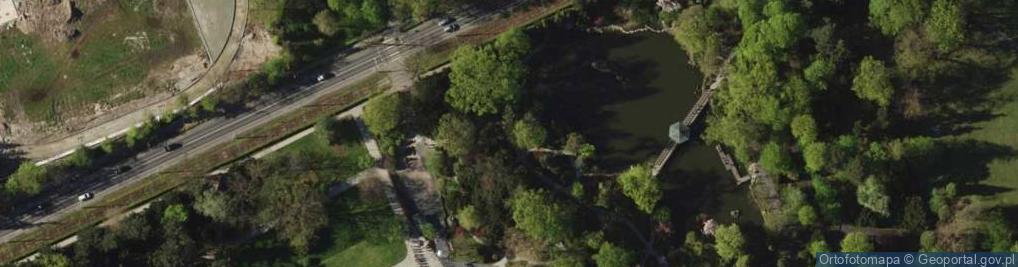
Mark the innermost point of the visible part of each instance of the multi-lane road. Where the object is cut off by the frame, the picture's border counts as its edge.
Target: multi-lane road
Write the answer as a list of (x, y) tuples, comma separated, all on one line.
[(348, 67)]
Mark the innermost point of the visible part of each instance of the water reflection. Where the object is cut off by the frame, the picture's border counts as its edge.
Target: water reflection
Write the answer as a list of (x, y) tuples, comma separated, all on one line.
[(626, 112)]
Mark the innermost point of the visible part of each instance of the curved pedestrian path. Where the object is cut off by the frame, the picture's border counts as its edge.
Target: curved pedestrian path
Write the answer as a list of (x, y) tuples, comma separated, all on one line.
[(114, 127)]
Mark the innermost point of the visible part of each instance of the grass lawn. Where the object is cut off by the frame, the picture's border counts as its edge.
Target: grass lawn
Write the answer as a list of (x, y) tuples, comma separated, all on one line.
[(120, 42), (340, 159), (360, 233), (1002, 130)]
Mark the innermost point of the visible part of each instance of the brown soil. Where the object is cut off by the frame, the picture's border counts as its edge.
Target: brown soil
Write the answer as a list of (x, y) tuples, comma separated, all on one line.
[(50, 19), (256, 48)]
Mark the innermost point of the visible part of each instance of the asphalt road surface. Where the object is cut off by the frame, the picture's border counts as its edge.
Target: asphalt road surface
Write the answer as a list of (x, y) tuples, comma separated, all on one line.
[(348, 67)]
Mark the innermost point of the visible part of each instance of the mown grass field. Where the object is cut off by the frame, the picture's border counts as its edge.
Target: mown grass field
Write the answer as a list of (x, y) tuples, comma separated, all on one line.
[(360, 232), (1001, 130), (120, 43), (340, 160)]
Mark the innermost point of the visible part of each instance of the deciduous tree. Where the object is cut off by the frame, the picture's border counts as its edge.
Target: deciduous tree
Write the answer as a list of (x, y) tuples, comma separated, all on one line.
[(893, 16), (856, 242), (873, 82), (528, 133), (872, 195), (640, 185), (946, 24), (456, 134), (697, 37), (804, 128), (174, 214), (815, 155), (28, 179), (383, 116), (610, 255), (541, 217), (51, 259), (327, 22), (486, 80), (807, 215), (295, 207), (729, 242), (468, 217), (775, 159)]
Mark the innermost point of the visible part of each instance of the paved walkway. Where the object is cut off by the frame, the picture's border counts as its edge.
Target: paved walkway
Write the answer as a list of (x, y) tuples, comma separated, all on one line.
[(114, 125), (214, 20), (418, 255)]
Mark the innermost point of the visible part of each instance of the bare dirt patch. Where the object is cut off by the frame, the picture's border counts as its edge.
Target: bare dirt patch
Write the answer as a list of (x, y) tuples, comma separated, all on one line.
[(256, 48), (49, 19), (76, 64)]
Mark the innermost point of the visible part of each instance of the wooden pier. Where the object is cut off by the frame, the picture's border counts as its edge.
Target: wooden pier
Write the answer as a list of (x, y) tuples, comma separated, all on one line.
[(730, 166)]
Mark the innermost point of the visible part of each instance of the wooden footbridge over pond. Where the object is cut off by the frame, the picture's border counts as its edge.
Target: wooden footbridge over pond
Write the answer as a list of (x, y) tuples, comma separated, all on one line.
[(679, 131)]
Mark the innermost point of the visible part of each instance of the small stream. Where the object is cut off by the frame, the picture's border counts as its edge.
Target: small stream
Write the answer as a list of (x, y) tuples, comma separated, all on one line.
[(628, 118)]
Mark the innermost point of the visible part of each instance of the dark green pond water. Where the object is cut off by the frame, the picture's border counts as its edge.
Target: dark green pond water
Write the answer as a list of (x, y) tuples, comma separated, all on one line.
[(626, 113)]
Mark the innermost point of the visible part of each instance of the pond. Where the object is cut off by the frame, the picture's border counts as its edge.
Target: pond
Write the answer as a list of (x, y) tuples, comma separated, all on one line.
[(624, 103)]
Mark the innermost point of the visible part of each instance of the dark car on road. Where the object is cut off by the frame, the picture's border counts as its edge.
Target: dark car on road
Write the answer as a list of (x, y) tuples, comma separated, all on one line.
[(121, 169), (172, 147), (452, 27), (446, 21)]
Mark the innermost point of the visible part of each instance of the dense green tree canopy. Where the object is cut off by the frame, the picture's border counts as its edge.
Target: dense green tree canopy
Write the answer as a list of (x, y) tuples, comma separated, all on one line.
[(640, 185), (512, 45), (872, 195), (528, 133), (540, 216), (468, 217), (749, 12), (419, 10), (804, 128), (488, 79), (456, 134), (610, 255), (946, 24), (28, 179), (81, 158), (827, 199), (364, 14), (694, 32), (819, 71), (928, 242), (177, 250), (765, 39), (384, 114), (807, 215), (893, 16), (730, 243), (775, 159), (213, 205), (295, 206), (856, 242), (815, 156), (52, 259), (326, 22), (941, 200), (175, 213), (818, 246), (915, 57), (873, 82)]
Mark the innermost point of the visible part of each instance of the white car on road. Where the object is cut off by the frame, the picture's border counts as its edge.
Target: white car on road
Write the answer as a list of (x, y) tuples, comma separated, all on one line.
[(85, 196)]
